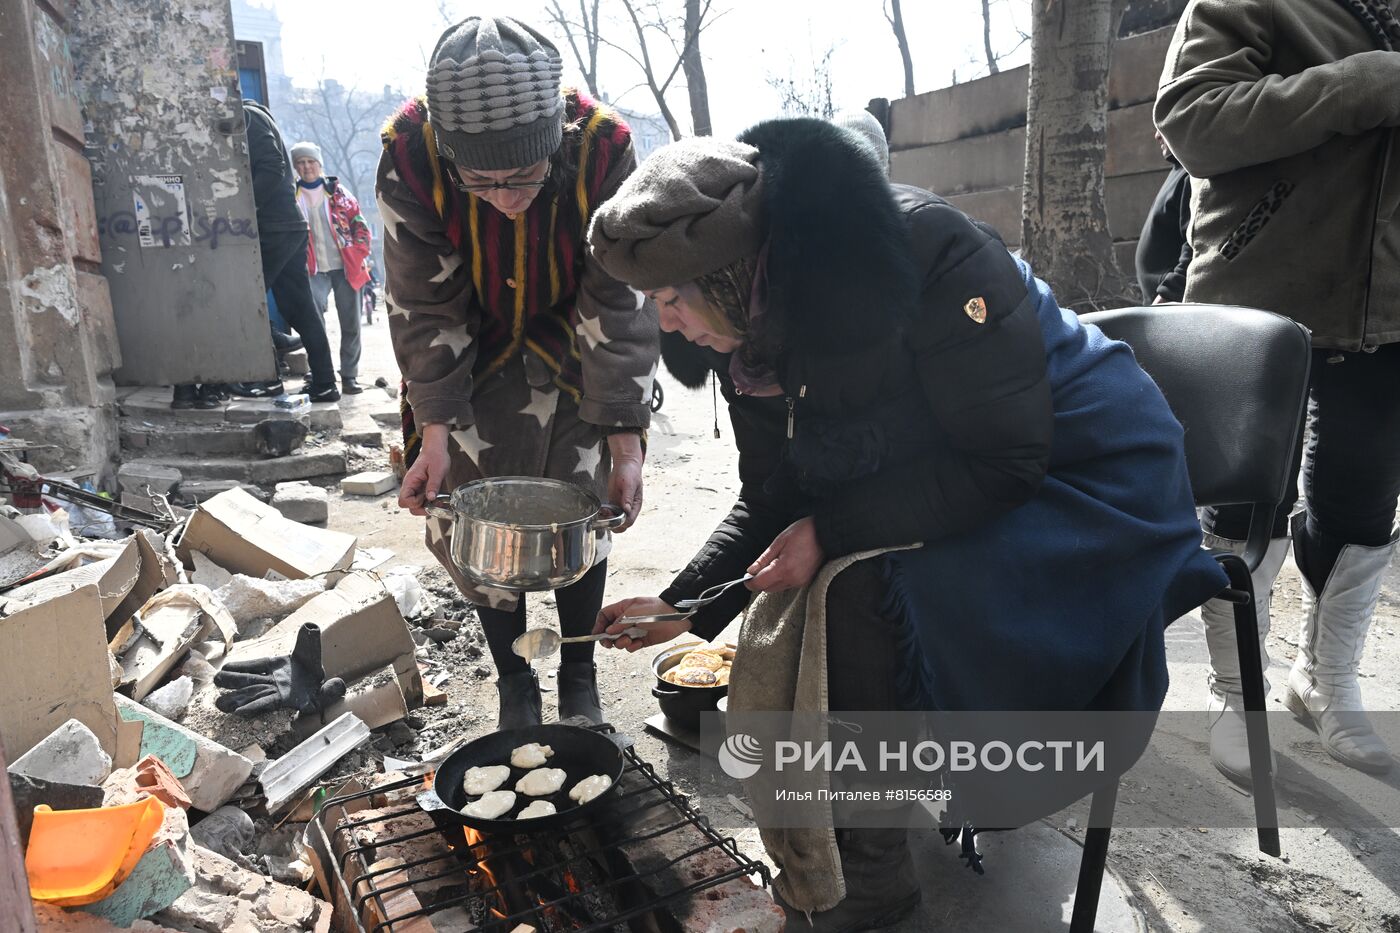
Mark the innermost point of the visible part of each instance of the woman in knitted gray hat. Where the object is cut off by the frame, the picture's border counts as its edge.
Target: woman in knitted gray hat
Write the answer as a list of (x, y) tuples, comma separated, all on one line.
[(901, 385), (520, 355)]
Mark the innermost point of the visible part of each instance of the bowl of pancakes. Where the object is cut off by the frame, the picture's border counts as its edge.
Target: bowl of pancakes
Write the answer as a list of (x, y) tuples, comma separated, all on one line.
[(691, 678)]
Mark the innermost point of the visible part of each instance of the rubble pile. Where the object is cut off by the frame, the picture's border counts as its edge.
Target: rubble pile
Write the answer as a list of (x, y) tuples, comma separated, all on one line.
[(182, 692)]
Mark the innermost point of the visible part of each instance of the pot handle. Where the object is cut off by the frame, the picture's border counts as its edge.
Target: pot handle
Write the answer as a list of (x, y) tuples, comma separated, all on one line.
[(440, 506), (612, 521), (663, 694)]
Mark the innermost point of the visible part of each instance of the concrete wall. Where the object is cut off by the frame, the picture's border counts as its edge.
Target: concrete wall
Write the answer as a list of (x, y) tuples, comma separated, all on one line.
[(58, 344), (968, 143)]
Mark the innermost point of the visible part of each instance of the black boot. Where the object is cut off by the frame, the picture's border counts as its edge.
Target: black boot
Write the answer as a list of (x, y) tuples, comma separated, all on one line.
[(881, 888), (188, 396), (350, 387), (578, 691), (520, 700), (285, 342)]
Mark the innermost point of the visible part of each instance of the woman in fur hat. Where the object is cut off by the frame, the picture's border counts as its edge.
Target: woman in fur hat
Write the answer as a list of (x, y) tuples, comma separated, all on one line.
[(895, 377), (520, 355)]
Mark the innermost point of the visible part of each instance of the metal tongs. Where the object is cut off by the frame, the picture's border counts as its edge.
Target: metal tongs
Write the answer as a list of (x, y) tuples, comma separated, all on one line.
[(688, 607)]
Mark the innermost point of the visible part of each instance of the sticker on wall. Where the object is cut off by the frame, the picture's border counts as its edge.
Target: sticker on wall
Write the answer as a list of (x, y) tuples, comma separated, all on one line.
[(162, 213)]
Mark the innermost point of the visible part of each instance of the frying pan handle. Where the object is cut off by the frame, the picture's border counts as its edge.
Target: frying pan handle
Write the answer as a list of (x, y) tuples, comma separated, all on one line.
[(440, 506), (611, 521)]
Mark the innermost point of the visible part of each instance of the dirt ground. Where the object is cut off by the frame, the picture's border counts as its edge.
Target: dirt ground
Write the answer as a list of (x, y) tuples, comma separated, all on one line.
[(1189, 880)]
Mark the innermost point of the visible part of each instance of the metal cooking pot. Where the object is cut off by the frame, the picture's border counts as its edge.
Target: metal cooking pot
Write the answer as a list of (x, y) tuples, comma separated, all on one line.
[(524, 533), (683, 705)]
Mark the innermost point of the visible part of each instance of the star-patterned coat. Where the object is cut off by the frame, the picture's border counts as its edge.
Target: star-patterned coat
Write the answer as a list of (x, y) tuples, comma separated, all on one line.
[(506, 329)]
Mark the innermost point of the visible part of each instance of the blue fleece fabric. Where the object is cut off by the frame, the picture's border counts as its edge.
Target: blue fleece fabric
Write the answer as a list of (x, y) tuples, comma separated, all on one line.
[(1062, 604)]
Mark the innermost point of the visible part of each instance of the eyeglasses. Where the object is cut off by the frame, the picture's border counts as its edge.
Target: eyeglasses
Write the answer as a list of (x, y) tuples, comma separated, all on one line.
[(483, 187)]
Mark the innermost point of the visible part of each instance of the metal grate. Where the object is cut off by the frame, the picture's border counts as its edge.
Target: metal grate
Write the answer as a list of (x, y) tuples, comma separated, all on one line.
[(602, 872)]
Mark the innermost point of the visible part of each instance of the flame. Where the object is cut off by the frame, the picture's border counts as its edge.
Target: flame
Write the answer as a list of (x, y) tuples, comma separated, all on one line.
[(428, 780), (474, 839)]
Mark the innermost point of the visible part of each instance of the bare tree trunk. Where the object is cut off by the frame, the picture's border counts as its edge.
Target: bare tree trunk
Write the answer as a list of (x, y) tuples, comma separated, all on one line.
[(1064, 223), (987, 37), (694, 68), (587, 30), (896, 21)]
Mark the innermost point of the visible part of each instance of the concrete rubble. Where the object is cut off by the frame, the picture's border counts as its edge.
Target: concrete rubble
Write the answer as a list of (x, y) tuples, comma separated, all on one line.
[(107, 695)]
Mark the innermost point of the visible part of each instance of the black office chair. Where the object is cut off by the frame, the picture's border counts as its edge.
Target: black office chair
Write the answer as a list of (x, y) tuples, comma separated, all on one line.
[(1237, 380)]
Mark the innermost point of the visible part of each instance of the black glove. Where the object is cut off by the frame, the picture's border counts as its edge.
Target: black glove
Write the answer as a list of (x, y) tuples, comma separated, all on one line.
[(297, 682)]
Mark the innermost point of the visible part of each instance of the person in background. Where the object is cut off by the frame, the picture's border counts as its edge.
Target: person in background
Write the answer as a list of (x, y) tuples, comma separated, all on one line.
[(1164, 248), (336, 254), (1284, 113), (520, 355), (282, 239)]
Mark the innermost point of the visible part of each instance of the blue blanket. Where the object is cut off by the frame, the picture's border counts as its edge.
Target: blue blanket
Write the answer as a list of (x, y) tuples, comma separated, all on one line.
[(1062, 604)]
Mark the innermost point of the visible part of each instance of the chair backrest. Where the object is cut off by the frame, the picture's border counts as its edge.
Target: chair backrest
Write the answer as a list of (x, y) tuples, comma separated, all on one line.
[(1237, 380)]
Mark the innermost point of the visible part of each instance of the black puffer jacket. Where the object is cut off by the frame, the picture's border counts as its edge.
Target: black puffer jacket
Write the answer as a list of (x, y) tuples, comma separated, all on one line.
[(913, 370)]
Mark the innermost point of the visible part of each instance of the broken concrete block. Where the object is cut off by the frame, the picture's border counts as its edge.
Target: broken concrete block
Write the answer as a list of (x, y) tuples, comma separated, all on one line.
[(209, 772), (297, 362), (368, 484), (164, 873), (149, 777), (278, 437), (71, 754), (250, 598), (228, 899), (302, 502), (137, 475), (173, 699), (228, 831), (28, 792)]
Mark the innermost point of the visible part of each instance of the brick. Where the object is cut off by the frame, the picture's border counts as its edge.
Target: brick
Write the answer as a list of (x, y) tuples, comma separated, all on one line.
[(150, 777), (302, 502), (368, 484), (209, 772), (70, 755)]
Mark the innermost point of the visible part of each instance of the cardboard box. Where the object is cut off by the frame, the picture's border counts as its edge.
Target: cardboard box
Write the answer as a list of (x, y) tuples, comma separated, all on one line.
[(243, 535), (54, 668), (172, 622), (113, 576), (124, 582)]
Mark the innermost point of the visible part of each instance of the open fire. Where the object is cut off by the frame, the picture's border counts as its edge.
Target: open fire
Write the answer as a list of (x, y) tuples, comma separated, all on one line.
[(646, 863)]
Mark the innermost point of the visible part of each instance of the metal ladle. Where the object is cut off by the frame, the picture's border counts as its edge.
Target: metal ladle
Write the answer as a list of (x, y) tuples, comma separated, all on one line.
[(542, 642)]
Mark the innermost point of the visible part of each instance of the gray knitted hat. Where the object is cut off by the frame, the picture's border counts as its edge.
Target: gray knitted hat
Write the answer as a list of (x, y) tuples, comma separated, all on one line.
[(307, 150), (493, 94), (691, 207), (868, 130)]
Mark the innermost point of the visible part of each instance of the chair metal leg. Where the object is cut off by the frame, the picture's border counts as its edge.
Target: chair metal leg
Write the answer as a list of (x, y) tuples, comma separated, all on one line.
[(1255, 717), (1094, 860)]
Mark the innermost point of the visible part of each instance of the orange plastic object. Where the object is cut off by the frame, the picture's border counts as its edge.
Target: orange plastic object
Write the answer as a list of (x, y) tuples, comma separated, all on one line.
[(77, 857)]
